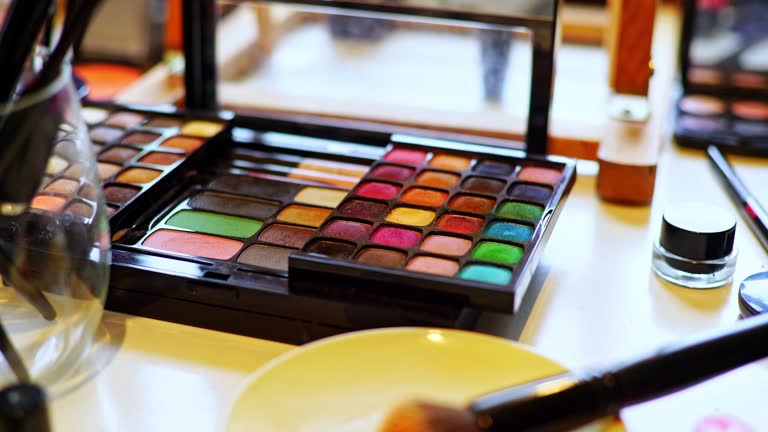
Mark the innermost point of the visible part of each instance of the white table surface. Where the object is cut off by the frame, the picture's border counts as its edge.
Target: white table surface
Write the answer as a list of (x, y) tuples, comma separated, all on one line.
[(598, 302)]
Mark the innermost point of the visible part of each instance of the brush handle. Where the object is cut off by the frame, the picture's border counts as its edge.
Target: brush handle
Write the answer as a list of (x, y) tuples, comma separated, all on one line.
[(22, 26), (572, 400)]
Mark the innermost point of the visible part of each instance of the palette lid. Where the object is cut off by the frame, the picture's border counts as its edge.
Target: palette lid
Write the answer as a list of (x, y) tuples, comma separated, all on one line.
[(724, 47), (443, 68)]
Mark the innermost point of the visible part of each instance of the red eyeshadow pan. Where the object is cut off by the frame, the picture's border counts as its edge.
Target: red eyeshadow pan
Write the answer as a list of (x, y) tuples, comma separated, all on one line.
[(378, 190), (472, 204), (539, 175), (348, 230), (396, 237), (404, 156), (362, 209), (392, 173), (460, 224)]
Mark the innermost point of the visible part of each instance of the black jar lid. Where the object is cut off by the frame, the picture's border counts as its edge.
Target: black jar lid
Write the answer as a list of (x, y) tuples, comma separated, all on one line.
[(698, 231)]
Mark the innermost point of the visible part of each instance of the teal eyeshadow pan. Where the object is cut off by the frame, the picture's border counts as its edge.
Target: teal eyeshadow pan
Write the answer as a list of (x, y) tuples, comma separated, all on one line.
[(509, 231), (486, 273)]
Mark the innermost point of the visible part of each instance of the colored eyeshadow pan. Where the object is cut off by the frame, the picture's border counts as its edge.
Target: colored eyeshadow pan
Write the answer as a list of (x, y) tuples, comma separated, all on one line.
[(56, 165), (92, 115), (215, 223), (451, 163), (498, 253), (190, 243), (520, 211), (483, 185), (494, 168), (80, 209), (397, 237), (425, 197), (303, 215), (362, 209), (242, 185), (234, 205), (321, 197), (530, 192), (286, 235), (750, 110), (138, 175), (118, 154), (48, 203), (103, 134), (701, 124), (63, 186), (164, 123), (411, 216), (381, 257), (347, 230), (405, 156), (509, 231), (107, 170), (539, 175), (183, 143), (486, 273), (275, 258), (460, 224), (702, 105), (378, 190), (119, 194), (203, 129), (161, 158), (392, 173), (124, 119), (446, 245), (140, 138), (432, 265), (437, 179), (330, 248), (472, 204)]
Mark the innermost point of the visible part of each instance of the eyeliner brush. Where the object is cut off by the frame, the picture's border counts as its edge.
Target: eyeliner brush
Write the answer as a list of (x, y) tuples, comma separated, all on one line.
[(571, 400)]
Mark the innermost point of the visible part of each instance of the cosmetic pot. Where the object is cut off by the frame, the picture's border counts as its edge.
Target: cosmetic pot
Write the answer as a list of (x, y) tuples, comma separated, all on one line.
[(695, 248)]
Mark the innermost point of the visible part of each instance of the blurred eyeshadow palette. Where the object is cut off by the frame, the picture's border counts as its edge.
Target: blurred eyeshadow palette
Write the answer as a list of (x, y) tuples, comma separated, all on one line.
[(724, 49), (297, 231)]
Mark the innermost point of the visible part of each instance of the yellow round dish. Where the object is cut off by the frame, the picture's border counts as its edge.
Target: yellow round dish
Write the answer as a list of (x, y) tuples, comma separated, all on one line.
[(348, 383)]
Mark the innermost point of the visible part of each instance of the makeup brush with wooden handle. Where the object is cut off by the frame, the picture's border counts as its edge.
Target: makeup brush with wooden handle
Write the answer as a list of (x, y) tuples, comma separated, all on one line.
[(571, 400)]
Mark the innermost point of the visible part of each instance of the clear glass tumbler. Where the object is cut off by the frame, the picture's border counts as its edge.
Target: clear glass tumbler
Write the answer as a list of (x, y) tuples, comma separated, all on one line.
[(54, 239)]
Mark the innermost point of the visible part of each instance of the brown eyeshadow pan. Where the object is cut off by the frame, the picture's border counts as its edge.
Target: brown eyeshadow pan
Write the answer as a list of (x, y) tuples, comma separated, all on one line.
[(161, 158), (118, 154), (119, 194), (381, 257), (271, 257), (140, 138), (234, 205), (286, 235)]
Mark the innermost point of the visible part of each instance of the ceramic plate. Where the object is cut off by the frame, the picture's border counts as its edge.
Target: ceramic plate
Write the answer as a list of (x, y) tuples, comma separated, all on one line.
[(348, 383)]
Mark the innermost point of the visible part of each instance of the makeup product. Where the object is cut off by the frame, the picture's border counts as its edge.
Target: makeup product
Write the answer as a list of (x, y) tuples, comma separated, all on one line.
[(571, 400), (753, 295), (724, 75), (234, 235), (754, 214), (695, 248)]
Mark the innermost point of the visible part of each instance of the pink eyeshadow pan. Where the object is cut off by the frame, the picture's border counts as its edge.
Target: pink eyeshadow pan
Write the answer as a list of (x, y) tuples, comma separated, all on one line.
[(446, 245), (189, 243), (432, 265), (391, 173), (348, 230), (404, 156), (702, 105), (63, 186), (378, 190), (159, 158), (539, 175), (396, 237)]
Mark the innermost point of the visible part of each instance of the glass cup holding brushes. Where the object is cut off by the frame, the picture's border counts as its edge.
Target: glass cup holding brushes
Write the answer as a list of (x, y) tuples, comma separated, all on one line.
[(54, 236)]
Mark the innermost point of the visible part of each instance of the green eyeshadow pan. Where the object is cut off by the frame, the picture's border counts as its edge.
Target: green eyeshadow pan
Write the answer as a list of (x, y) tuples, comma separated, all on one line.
[(215, 223), (520, 211), (498, 253)]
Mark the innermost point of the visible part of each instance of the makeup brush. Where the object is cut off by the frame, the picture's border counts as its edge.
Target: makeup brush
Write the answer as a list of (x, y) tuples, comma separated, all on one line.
[(571, 400), (21, 28)]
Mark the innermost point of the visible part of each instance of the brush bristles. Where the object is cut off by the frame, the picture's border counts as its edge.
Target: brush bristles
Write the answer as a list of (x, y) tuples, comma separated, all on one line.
[(426, 417)]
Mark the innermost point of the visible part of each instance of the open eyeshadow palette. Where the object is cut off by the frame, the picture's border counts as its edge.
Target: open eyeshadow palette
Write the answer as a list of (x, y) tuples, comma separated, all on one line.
[(725, 77), (295, 231)]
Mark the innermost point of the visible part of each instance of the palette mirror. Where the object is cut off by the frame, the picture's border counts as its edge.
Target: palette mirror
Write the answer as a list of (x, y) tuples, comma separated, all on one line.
[(725, 76)]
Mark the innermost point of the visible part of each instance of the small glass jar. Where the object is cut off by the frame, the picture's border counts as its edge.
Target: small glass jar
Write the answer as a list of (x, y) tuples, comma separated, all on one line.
[(54, 239), (695, 248)]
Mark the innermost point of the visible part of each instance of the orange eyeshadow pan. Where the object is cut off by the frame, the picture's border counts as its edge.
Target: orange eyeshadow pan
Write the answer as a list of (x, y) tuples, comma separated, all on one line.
[(48, 203), (138, 175), (195, 244), (183, 143)]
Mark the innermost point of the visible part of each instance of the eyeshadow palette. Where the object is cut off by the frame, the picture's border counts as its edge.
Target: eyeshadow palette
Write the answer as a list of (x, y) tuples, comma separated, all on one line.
[(224, 244), (429, 221), (725, 77)]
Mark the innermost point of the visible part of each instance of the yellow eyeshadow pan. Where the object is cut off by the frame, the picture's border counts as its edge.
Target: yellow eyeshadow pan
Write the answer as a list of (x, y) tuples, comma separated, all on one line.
[(411, 216), (203, 129), (304, 215), (321, 197)]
